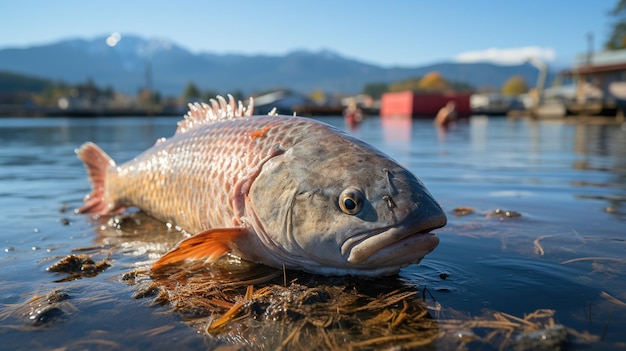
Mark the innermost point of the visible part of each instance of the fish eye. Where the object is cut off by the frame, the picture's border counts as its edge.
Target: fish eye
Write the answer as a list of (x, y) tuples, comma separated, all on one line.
[(351, 201)]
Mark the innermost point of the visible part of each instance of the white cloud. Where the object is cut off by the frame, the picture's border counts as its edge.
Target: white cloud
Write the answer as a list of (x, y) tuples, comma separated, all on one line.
[(510, 56)]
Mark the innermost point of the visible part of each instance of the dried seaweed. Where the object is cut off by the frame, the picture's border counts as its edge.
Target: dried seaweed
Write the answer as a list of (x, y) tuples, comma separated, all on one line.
[(257, 309), (41, 311), (251, 306), (78, 266)]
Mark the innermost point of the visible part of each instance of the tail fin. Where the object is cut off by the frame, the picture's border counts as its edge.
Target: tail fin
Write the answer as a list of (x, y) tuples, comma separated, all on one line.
[(96, 162)]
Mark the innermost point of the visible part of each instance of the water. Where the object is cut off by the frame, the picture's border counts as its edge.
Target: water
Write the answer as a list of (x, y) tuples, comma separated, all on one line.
[(567, 182)]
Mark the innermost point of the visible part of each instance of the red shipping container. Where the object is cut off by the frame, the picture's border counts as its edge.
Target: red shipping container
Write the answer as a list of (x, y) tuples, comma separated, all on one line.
[(423, 105)]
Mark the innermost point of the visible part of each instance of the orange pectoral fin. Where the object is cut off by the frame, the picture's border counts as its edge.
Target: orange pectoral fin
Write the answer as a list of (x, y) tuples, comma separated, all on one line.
[(209, 244)]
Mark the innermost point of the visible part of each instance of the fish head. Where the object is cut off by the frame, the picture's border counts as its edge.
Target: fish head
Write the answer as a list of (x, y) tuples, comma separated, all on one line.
[(335, 205)]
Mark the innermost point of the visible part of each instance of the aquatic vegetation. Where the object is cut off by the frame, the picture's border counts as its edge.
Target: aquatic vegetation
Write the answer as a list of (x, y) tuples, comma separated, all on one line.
[(463, 211), (257, 307), (503, 214), (78, 266), (41, 311)]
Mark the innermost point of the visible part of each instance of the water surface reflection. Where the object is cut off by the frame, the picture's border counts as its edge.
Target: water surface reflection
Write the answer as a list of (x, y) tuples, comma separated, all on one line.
[(564, 252)]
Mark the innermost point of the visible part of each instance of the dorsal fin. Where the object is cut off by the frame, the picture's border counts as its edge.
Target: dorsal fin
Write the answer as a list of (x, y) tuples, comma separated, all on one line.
[(220, 109)]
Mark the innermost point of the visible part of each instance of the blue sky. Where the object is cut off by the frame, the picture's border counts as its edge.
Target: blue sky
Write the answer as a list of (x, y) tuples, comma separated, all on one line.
[(406, 33)]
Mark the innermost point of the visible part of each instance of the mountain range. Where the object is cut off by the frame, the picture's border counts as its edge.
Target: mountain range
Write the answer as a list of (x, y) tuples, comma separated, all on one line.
[(135, 62)]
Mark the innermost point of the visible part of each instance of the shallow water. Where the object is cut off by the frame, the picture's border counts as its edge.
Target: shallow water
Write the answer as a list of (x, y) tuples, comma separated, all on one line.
[(565, 252)]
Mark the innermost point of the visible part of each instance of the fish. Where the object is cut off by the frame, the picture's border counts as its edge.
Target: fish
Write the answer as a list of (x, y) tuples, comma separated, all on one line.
[(283, 191)]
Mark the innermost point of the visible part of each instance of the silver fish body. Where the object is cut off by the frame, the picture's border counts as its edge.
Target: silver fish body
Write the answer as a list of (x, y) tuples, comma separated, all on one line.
[(277, 190)]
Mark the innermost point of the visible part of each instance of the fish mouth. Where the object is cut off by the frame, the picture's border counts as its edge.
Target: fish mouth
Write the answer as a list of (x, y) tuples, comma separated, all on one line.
[(391, 245)]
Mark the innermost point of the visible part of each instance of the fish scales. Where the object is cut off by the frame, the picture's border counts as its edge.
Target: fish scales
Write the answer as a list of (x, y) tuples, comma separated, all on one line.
[(278, 190), (192, 178)]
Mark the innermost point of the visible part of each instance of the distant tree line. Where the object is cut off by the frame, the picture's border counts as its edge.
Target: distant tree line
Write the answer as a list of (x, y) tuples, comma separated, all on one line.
[(434, 82), (431, 82), (617, 38), (192, 94), (11, 82), (20, 89)]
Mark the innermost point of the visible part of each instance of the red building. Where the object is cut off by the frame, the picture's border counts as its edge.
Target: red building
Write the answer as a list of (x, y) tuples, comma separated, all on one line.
[(423, 105)]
